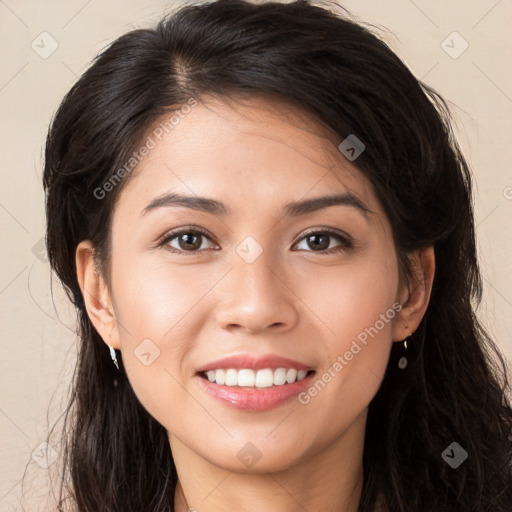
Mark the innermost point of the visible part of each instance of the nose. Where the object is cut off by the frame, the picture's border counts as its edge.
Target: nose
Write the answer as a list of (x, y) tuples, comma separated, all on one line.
[(255, 297)]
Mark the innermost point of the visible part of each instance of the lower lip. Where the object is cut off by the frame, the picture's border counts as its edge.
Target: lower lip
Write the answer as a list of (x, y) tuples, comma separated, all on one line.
[(255, 399)]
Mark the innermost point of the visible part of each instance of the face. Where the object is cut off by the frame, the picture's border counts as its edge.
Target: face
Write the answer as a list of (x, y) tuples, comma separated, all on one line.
[(296, 298)]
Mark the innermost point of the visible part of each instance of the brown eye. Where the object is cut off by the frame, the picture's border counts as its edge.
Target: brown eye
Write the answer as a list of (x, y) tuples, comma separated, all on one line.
[(321, 242), (185, 240), (189, 241)]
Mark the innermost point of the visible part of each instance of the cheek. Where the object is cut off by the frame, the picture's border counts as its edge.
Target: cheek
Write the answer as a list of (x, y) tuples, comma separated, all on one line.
[(157, 301), (156, 307), (351, 298), (357, 305)]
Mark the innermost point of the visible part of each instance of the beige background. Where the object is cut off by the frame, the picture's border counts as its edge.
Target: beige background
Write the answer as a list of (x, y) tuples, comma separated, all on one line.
[(38, 340)]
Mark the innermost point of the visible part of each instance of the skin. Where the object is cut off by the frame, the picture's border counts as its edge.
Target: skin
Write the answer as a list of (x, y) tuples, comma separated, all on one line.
[(292, 301)]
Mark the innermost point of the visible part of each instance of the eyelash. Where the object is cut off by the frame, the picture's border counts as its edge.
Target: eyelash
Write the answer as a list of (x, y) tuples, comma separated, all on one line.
[(346, 242)]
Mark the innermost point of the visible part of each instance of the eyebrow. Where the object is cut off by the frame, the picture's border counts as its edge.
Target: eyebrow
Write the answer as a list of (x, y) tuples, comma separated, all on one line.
[(293, 209)]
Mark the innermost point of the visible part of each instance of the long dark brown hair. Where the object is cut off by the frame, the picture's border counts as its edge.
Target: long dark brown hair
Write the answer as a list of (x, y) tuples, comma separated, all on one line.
[(117, 457)]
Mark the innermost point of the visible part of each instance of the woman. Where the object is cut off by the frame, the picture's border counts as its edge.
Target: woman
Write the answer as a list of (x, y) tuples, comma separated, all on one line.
[(266, 226)]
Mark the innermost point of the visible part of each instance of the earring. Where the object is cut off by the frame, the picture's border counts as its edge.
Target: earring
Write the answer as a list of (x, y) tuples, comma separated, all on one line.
[(402, 362), (113, 356)]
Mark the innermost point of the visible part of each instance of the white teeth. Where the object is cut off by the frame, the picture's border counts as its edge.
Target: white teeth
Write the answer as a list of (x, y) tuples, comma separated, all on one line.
[(231, 377), (279, 376), (301, 374), (265, 378), (291, 375), (220, 376), (246, 378)]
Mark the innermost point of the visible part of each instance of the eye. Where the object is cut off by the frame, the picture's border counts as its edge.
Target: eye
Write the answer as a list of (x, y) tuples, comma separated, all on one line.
[(190, 240), (187, 240), (321, 240)]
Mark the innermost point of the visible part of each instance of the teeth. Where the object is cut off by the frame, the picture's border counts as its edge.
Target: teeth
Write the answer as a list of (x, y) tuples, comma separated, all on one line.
[(280, 377), (261, 379), (264, 378), (291, 375), (231, 377), (246, 378), (220, 377)]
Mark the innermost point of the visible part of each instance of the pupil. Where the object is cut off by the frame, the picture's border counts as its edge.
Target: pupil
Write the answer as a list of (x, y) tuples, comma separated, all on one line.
[(320, 245), (188, 239)]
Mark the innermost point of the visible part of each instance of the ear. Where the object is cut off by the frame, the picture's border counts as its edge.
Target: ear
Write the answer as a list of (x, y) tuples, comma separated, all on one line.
[(415, 296), (96, 294)]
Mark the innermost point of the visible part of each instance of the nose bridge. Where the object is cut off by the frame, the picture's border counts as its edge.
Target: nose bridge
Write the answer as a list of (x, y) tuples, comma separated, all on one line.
[(256, 276), (255, 295)]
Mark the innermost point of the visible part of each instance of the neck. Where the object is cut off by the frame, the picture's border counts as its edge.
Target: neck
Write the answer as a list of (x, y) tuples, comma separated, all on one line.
[(330, 479)]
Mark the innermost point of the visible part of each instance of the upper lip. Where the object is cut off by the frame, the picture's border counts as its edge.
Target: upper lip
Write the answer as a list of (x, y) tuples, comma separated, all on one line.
[(253, 363)]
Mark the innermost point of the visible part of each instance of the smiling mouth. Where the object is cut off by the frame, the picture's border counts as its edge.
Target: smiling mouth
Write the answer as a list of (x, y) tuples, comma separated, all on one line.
[(258, 379)]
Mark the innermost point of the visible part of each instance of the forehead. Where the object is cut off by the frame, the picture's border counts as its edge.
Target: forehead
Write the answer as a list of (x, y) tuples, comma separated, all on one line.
[(253, 150)]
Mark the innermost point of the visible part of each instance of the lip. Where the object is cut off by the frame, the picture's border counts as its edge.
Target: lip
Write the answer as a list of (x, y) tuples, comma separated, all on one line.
[(241, 361), (255, 399)]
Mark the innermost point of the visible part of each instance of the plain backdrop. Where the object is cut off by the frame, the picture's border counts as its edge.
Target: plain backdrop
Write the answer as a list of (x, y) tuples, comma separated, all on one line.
[(462, 48)]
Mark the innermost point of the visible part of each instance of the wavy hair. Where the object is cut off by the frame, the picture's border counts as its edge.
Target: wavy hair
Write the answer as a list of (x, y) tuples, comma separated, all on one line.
[(455, 388)]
